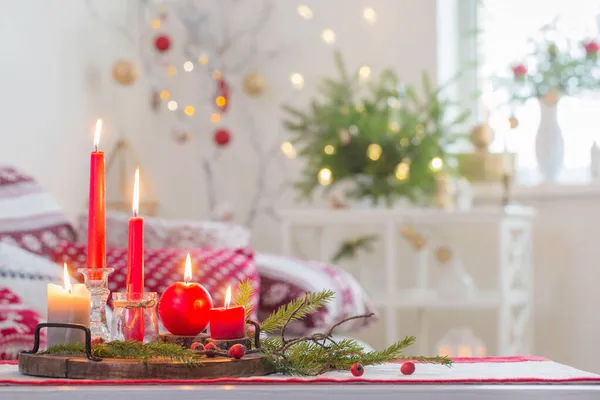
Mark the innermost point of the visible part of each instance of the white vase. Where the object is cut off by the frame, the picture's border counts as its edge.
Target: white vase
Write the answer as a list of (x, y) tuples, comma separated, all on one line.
[(549, 143)]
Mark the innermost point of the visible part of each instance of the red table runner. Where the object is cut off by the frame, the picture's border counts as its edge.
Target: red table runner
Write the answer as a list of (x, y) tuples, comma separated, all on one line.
[(500, 370)]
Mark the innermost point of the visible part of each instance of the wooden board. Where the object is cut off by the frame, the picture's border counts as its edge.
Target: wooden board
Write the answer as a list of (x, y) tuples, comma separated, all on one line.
[(123, 369)]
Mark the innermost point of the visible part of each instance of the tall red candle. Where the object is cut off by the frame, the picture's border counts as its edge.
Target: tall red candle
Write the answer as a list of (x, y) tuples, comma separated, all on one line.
[(96, 254), (228, 322), (135, 265)]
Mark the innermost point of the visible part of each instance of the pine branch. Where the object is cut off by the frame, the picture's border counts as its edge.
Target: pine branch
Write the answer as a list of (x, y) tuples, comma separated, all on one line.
[(142, 352), (296, 310), (244, 296)]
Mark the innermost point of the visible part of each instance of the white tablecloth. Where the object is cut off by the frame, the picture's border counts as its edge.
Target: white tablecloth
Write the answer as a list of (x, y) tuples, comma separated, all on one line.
[(461, 382)]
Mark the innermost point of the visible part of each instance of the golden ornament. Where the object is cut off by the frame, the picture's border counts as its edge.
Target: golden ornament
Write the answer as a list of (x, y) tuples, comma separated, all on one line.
[(124, 72), (413, 237), (443, 254), (481, 136), (254, 84), (513, 121)]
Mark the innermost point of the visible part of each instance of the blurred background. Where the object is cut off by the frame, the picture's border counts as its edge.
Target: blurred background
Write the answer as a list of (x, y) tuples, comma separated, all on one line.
[(446, 146)]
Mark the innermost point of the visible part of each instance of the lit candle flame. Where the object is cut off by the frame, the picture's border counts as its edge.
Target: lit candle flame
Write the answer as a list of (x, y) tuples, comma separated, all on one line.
[(135, 205), (187, 274), (228, 297), (97, 133), (67, 279)]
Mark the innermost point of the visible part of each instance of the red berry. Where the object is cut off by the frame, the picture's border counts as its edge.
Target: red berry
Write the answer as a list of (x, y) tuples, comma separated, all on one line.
[(407, 368), (162, 43), (357, 369), (591, 48), (237, 351), (197, 346), (97, 340), (222, 137), (519, 70), (211, 346)]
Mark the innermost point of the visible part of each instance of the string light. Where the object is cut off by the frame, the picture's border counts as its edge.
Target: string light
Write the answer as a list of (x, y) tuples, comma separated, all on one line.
[(165, 94), (353, 129), (172, 105), (329, 149), (402, 170), (220, 101), (364, 72), (304, 11), (436, 164), (203, 59), (374, 151), (156, 24), (172, 71), (419, 131), (287, 148), (188, 66), (394, 126), (360, 107), (297, 80), (216, 74), (370, 15), (404, 142), (328, 36), (189, 110), (215, 118), (324, 176)]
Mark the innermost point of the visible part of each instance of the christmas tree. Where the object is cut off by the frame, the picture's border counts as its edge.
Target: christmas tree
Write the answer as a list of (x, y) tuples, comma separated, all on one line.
[(389, 140)]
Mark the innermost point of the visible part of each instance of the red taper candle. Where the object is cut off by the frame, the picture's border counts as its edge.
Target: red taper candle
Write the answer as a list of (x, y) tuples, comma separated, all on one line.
[(135, 264), (96, 253)]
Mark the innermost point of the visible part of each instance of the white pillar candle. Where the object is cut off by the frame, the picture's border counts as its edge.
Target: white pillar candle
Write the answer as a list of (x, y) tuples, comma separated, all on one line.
[(68, 304)]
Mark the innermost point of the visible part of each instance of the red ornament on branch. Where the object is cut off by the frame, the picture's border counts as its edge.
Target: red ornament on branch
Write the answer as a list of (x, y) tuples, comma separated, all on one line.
[(184, 306), (162, 43), (222, 137), (222, 95), (591, 48), (519, 70)]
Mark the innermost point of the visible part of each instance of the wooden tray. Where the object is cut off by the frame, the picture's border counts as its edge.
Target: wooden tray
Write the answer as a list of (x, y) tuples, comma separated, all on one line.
[(52, 366)]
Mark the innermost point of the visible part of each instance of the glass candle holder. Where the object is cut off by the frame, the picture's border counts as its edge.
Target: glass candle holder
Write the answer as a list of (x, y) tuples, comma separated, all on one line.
[(135, 317), (96, 281)]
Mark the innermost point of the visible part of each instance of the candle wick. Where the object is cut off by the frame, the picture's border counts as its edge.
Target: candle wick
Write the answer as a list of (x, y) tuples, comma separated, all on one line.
[(135, 214), (96, 148)]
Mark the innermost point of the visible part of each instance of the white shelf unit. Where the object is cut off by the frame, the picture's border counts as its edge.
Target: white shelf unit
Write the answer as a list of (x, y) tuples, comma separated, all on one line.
[(511, 300)]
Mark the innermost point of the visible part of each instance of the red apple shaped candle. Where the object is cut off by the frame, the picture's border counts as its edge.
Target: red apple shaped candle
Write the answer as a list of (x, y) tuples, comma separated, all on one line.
[(184, 306), (228, 322)]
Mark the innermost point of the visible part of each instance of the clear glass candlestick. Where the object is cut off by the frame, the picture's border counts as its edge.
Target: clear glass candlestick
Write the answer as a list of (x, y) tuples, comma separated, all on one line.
[(96, 281)]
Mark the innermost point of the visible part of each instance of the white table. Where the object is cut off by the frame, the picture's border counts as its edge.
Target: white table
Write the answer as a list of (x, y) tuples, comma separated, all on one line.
[(303, 392)]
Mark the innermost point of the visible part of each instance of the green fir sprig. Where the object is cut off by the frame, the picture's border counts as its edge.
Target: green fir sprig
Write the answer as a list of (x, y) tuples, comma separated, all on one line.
[(296, 310), (244, 296), (142, 352)]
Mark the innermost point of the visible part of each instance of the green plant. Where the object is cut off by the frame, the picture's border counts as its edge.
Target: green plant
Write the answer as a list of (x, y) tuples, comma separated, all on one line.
[(555, 66), (381, 137)]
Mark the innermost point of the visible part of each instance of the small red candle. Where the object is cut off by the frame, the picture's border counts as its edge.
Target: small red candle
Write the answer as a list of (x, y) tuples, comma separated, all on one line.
[(228, 322), (96, 253), (135, 265), (184, 306)]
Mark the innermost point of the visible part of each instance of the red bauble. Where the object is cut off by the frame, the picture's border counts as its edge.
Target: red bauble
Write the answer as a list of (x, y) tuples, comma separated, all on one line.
[(519, 70), (211, 346), (237, 351), (222, 137), (408, 368), (357, 369), (162, 43), (591, 48), (184, 308)]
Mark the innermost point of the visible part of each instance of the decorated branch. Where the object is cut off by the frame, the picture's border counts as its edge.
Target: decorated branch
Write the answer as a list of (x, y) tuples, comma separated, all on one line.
[(307, 355)]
